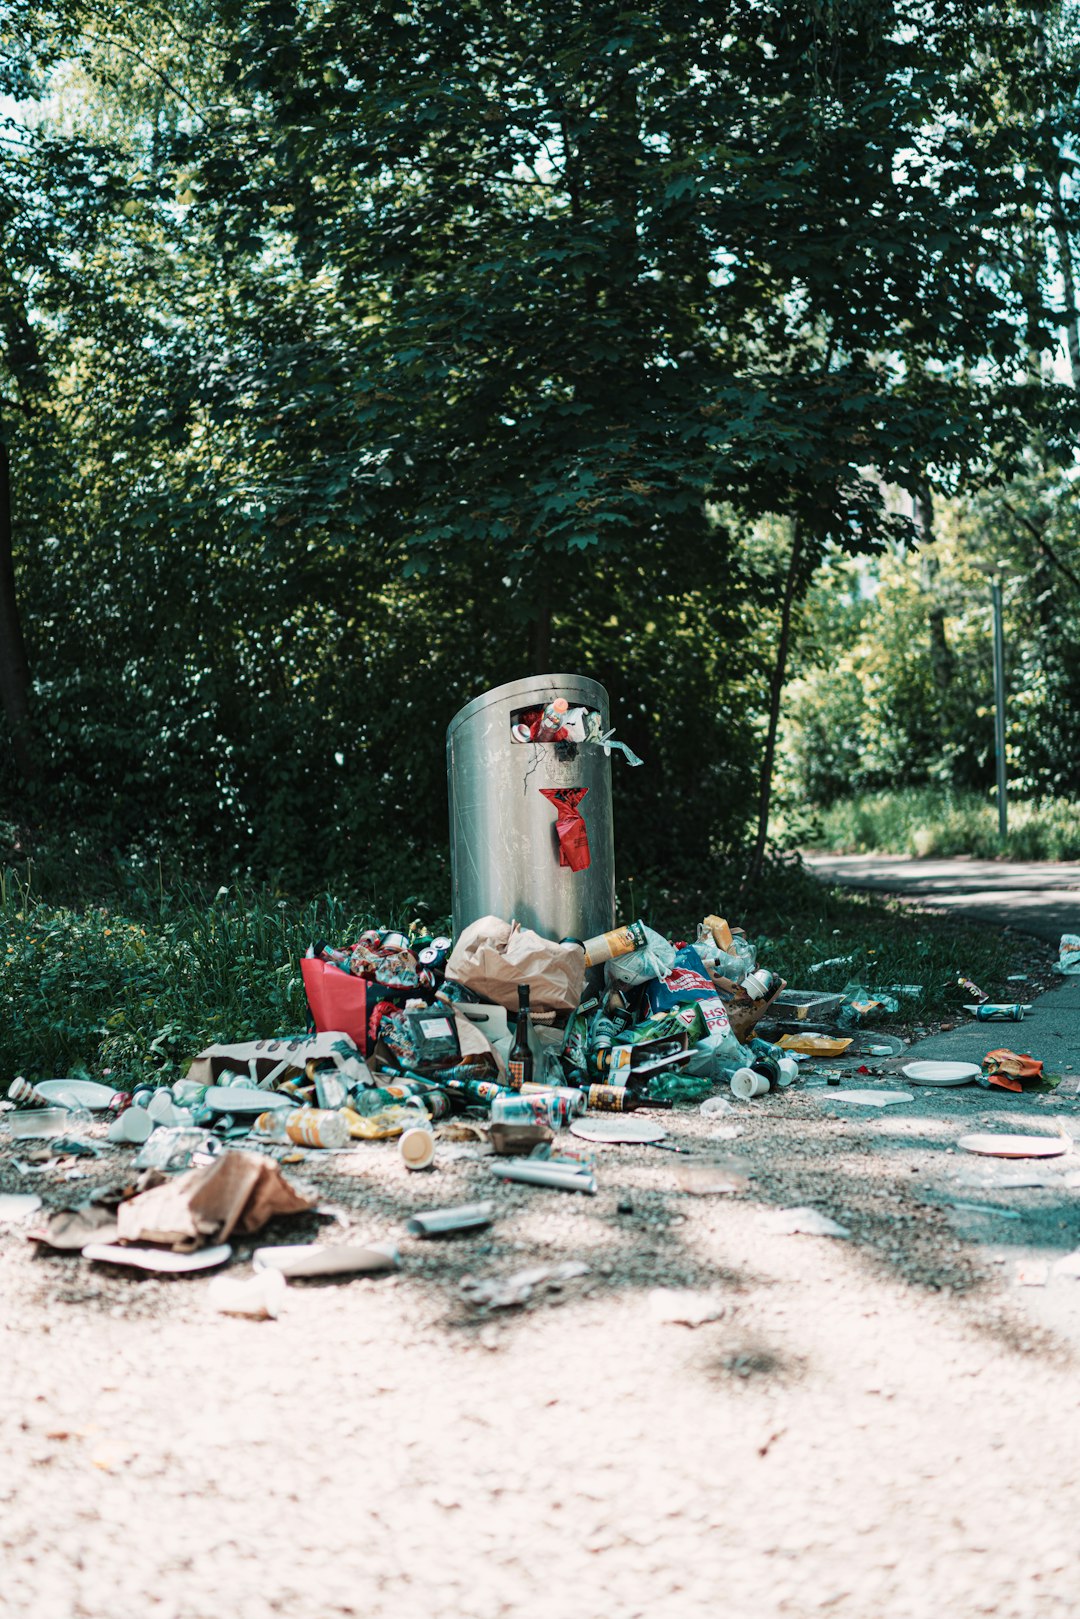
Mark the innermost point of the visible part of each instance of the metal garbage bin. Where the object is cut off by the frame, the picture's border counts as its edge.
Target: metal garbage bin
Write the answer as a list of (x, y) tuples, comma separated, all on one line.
[(504, 849)]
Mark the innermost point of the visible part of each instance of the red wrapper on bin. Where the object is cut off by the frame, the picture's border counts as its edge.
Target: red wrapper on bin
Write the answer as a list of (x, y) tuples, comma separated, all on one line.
[(570, 828)]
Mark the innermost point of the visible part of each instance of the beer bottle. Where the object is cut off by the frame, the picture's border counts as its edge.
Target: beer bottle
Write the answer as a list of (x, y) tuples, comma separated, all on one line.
[(520, 1061), (621, 1099)]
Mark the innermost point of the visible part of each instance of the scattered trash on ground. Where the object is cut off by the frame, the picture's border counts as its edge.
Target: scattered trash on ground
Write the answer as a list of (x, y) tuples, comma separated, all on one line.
[(807, 1222), (504, 1292), (502, 1044), (685, 1308)]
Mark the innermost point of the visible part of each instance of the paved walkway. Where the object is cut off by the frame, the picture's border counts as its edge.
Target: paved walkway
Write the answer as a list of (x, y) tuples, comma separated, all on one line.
[(1020, 1215), (1039, 897)]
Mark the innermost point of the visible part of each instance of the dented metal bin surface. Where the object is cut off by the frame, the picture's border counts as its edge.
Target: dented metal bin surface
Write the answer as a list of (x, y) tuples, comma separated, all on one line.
[(504, 850)]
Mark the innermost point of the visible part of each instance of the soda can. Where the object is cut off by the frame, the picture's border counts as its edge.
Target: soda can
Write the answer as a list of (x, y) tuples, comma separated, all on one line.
[(619, 942), (532, 1107), (393, 942), (1000, 1014), (573, 1098)]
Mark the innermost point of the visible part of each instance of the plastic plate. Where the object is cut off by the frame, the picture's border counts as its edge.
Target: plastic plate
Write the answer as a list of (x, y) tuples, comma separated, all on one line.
[(88, 1092), (617, 1129), (159, 1259), (1003, 1146), (242, 1099), (941, 1073)]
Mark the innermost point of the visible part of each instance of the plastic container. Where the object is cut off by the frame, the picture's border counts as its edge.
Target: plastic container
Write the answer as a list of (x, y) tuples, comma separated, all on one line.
[(40, 1121)]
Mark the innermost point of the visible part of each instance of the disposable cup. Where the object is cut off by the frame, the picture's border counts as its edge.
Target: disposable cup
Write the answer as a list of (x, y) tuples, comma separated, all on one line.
[(745, 1084)]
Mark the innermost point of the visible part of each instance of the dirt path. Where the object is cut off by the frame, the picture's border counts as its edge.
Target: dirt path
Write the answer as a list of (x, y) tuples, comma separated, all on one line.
[(884, 1425)]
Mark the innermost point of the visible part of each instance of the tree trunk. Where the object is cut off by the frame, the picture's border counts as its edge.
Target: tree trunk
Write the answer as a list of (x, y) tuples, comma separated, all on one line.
[(14, 668), (776, 689)]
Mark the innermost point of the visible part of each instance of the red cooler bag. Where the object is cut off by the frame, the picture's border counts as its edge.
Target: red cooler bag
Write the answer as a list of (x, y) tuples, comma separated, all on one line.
[(339, 1002)]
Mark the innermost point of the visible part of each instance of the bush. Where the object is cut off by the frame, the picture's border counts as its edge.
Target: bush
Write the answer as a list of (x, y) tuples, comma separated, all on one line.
[(923, 822)]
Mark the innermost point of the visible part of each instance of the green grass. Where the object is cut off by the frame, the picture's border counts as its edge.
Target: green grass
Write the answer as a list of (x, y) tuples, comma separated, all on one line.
[(798, 922), (131, 989), (921, 823)]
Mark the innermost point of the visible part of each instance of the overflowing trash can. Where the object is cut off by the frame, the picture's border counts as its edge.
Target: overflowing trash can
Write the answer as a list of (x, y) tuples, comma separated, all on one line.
[(531, 833)]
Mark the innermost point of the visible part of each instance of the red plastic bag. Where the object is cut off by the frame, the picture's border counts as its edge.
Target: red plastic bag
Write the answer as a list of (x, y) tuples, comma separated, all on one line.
[(570, 827), (338, 1001)]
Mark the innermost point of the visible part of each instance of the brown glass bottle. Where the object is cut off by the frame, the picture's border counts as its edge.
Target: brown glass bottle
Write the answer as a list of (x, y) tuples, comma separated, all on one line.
[(620, 1099), (520, 1060)]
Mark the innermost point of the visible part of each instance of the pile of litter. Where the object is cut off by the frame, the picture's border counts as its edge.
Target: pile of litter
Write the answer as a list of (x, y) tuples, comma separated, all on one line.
[(540, 1048)]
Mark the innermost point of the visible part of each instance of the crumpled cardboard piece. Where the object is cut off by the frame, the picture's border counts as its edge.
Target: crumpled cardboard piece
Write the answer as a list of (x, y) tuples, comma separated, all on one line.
[(239, 1191), (72, 1226), (492, 958), (270, 1062)]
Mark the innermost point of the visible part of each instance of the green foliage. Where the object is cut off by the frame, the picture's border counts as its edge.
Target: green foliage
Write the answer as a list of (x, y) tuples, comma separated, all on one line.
[(895, 677), (922, 822), (133, 992), (382, 353)]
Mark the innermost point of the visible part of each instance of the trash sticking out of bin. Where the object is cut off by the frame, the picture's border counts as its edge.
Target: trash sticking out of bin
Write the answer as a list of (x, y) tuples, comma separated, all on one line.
[(531, 834)]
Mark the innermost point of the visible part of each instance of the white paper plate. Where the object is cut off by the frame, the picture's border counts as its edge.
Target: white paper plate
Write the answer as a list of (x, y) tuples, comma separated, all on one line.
[(940, 1073), (242, 1099), (87, 1091), (1003, 1146), (160, 1259), (617, 1127)]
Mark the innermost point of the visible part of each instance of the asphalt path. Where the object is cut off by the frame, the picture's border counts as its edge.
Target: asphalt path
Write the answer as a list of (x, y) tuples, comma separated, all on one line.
[(1020, 1215), (1037, 897)]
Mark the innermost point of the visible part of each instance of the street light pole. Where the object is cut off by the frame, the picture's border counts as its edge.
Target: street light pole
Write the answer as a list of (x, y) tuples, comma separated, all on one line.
[(999, 707)]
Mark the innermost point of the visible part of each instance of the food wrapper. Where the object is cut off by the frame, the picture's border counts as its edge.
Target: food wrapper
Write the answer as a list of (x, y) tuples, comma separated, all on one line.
[(814, 1045)]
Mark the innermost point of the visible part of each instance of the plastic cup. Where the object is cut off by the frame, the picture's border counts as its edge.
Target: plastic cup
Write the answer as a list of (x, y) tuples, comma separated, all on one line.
[(417, 1148), (133, 1125), (745, 1084)]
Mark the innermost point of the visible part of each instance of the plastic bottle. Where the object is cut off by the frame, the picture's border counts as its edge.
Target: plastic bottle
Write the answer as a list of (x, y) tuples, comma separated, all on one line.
[(550, 722), (306, 1126)]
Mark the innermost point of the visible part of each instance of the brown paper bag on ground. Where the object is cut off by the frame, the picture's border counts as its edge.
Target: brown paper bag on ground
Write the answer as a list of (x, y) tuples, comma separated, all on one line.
[(239, 1191), (492, 958), (745, 1014)]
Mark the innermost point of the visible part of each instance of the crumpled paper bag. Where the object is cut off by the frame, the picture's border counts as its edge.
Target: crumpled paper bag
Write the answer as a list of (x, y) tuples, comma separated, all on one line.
[(239, 1191), (492, 958)]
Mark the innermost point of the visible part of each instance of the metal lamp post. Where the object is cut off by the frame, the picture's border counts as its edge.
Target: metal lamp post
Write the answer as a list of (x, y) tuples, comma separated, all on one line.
[(999, 707)]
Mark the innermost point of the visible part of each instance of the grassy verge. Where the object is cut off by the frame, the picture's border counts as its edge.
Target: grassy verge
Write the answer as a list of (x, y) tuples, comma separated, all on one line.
[(920, 823), (132, 989)]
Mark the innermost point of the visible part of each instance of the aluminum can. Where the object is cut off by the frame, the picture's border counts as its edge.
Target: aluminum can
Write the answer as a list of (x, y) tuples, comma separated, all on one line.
[(619, 942)]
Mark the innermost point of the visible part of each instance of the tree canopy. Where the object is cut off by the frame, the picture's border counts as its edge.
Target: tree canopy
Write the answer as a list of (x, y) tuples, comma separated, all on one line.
[(356, 357)]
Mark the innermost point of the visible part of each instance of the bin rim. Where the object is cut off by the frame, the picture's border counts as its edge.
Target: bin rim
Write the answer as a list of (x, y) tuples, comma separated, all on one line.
[(584, 688)]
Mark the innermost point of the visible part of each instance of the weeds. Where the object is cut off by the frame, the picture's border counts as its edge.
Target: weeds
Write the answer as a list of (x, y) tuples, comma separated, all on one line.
[(920, 822)]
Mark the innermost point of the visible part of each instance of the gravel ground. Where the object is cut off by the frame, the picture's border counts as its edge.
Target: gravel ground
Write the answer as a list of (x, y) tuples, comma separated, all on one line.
[(884, 1425)]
